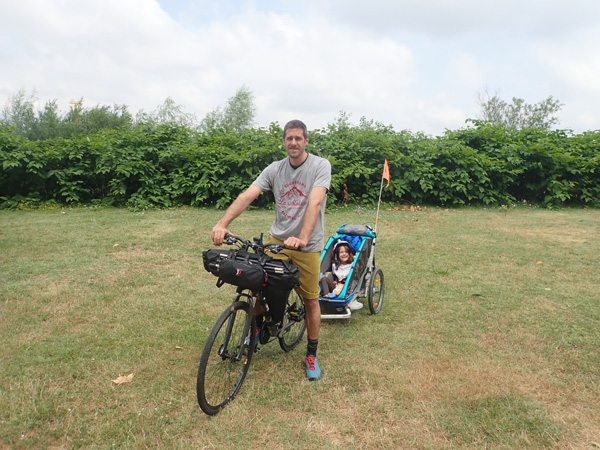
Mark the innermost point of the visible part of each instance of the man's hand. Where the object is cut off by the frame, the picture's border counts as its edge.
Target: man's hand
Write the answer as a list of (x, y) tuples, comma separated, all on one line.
[(294, 243), (235, 209), (218, 234)]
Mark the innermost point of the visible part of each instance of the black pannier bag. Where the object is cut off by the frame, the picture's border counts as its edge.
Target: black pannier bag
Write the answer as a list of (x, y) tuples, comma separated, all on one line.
[(281, 274), (282, 277), (276, 299)]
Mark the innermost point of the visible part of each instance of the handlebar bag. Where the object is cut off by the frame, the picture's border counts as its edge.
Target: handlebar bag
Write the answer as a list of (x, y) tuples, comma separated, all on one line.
[(249, 271), (235, 267), (243, 274)]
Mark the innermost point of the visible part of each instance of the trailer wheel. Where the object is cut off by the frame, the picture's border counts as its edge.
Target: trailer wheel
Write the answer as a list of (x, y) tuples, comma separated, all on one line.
[(376, 291)]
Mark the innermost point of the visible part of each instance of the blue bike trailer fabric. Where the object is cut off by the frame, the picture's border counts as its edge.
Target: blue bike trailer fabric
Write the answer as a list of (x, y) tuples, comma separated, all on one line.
[(362, 246)]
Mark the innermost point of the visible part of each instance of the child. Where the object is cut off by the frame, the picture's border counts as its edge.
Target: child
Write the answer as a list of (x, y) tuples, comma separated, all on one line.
[(340, 269)]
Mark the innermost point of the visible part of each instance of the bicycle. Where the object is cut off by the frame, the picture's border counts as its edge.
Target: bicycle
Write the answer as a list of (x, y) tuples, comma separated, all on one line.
[(232, 341)]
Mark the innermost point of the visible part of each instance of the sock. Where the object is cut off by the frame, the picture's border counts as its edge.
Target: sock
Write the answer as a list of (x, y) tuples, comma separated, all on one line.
[(311, 347)]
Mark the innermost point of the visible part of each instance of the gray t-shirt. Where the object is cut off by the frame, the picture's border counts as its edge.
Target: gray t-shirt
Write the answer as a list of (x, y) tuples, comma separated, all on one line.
[(291, 188)]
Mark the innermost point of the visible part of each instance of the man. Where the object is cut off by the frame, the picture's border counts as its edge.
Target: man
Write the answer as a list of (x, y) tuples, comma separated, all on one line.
[(300, 184)]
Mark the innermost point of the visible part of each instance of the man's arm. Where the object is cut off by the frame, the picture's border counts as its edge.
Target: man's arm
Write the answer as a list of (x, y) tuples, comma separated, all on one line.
[(315, 200), (235, 209)]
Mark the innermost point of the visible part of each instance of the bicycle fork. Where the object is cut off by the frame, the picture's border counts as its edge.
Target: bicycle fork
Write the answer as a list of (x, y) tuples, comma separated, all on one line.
[(245, 338)]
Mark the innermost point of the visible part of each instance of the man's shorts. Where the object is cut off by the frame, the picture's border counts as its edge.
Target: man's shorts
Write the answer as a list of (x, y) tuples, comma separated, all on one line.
[(309, 264)]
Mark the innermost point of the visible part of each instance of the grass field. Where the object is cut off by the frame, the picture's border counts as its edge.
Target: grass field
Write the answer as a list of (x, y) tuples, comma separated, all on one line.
[(489, 336)]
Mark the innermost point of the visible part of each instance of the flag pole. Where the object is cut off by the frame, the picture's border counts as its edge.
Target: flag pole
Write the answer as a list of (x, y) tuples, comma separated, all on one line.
[(384, 176), (378, 203)]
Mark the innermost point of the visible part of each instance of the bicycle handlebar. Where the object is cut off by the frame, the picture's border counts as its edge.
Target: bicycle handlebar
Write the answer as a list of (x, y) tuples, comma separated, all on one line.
[(275, 248), (230, 239), (257, 245)]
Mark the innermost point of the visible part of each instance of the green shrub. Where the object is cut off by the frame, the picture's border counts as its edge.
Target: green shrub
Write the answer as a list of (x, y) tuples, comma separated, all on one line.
[(167, 165)]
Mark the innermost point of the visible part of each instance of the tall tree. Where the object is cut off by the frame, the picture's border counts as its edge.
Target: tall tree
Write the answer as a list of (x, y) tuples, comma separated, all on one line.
[(19, 112), (21, 115), (518, 114), (49, 123), (238, 114), (168, 112), (82, 120)]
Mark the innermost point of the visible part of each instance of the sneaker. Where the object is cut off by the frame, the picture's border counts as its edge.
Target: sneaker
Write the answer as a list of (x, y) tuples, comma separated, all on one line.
[(355, 305), (313, 372)]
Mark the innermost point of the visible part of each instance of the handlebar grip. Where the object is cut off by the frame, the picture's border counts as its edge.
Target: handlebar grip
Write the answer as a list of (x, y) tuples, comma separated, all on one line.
[(230, 239), (275, 248)]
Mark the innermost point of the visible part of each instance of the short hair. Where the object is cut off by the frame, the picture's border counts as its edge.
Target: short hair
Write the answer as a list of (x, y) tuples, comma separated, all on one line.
[(295, 124)]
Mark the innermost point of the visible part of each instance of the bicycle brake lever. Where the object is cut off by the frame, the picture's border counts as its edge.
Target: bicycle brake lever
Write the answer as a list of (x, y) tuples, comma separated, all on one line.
[(229, 239)]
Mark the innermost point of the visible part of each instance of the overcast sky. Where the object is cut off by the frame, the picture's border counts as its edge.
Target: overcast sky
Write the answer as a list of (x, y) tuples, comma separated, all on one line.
[(413, 64)]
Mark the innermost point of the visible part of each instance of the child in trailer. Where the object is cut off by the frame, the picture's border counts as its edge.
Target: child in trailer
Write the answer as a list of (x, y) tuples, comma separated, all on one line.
[(332, 283)]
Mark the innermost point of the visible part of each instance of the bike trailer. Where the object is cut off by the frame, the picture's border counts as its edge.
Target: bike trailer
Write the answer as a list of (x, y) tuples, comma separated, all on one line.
[(359, 283)]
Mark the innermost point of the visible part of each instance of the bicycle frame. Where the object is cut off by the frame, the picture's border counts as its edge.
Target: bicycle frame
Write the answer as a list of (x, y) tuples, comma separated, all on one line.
[(273, 329)]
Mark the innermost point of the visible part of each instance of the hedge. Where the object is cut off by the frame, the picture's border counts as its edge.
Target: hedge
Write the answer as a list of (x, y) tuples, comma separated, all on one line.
[(169, 165)]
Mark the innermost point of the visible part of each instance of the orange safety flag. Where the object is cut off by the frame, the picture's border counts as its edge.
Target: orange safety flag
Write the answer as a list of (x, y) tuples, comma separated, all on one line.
[(386, 173)]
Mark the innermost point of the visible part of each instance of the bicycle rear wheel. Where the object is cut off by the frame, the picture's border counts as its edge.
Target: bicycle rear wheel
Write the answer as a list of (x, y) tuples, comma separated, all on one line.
[(222, 367), (294, 322)]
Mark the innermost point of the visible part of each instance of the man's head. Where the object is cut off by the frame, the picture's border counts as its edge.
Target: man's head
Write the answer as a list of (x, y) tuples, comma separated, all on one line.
[(295, 124), (295, 139)]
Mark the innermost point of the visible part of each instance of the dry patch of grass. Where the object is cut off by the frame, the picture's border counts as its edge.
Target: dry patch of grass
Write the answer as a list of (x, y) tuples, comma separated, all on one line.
[(487, 338), (566, 236)]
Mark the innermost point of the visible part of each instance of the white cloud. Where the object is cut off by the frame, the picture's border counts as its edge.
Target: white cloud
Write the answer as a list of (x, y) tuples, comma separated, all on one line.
[(576, 65), (444, 19), (412, 64)]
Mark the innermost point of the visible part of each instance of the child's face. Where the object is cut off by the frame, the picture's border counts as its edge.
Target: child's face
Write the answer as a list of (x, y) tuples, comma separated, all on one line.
[(344, 255)]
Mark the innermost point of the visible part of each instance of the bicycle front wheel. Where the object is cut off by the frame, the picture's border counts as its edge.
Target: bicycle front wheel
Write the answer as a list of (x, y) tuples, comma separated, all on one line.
[(226, 358), (294, 322)]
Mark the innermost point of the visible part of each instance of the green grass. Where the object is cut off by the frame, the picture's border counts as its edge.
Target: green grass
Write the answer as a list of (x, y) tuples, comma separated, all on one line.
[(488, 337)]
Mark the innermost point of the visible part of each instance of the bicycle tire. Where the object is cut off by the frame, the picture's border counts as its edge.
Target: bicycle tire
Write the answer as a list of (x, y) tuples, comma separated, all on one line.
[(376, 291), (294, 323), (220, 373)]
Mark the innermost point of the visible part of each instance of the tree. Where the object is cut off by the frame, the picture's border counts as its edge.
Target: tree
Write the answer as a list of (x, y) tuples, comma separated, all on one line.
[(168, 112), (518, 114), (91, 120), (49, 123), (19, 113), (237, 115)]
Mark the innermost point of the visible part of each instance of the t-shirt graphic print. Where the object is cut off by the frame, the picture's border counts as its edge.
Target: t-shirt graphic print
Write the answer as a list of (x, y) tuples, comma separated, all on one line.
[(293, 201)]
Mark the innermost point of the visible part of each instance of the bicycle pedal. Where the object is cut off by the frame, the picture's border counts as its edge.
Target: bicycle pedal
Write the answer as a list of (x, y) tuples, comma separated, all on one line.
[(293, 315)]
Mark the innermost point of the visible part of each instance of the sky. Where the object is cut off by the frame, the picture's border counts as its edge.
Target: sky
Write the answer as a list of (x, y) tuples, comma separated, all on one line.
[(417, 65)]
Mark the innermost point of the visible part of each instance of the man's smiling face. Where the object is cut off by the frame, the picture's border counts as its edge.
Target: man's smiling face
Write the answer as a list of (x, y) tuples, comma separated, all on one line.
[(295, 144)]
